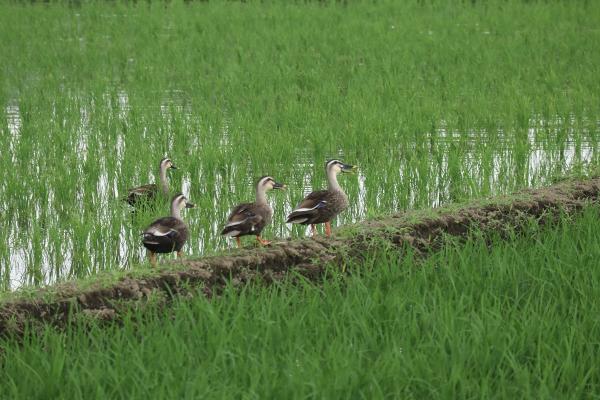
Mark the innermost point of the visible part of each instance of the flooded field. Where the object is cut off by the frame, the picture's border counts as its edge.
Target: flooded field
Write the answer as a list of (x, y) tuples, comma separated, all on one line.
[(88, 111), (69, 218), (435, 101)]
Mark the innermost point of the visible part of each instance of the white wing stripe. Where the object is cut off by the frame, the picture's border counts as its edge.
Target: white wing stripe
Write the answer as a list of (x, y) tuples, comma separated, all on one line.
[(299, 221), (156, 232), (236, 223), (305, 209)]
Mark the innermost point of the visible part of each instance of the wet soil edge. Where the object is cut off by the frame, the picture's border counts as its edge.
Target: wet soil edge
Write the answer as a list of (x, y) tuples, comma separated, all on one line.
[(422, 230)]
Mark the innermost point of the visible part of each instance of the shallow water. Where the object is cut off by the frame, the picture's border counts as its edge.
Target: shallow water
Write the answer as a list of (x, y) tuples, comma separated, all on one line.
[(93, 95), (62, 211)]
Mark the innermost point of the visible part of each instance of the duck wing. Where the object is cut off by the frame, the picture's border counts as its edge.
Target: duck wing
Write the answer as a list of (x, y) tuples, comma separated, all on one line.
[(141, 192), (167, 228), (309, 207), (242, 220), (165, 235)]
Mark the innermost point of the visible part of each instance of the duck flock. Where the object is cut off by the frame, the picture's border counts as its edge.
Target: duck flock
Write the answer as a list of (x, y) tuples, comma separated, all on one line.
[(169, 234)]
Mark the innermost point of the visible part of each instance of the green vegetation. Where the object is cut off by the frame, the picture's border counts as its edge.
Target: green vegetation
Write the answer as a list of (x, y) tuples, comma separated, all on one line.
[(435, 102), (514, 318)]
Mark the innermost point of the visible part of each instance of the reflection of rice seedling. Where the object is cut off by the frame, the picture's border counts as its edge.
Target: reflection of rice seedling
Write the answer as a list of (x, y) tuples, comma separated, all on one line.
[(431, 107)]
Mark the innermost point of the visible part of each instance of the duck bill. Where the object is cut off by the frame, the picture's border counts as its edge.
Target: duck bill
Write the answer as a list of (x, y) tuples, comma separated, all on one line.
[(190, 205), (173, 167), (347, 168), (278, 185)]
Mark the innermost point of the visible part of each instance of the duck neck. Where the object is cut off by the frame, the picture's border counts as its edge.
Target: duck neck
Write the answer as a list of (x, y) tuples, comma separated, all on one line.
[(175, 211), (164, 186), (261, 195), (332, 183)]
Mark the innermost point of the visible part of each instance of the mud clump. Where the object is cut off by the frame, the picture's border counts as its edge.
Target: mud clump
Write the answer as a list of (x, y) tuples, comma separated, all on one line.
[(422, 230)]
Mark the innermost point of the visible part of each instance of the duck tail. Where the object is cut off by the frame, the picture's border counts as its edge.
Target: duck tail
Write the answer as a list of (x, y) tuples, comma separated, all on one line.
[(232, 230), (303, 215), (297, 218)]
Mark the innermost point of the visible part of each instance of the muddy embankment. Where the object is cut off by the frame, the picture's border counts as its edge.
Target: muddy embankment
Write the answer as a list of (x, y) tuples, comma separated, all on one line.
[(422, 230)]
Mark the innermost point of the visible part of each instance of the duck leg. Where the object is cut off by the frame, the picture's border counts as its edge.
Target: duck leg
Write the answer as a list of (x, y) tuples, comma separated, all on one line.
[(239, 242), (180, 255), (313, 229), (152, 257), (262, 241), (328, 228)]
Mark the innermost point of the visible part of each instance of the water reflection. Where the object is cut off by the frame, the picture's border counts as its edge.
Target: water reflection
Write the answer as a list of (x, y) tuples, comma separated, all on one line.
[(13, 122), (70, 231)]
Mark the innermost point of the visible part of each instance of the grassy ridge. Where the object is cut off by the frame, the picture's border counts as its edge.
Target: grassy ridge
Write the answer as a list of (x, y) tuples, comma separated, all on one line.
[(512, 318), (435, 102)]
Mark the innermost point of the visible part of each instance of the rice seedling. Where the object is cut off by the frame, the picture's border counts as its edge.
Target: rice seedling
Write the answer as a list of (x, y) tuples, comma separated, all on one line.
[(505, 318), (435, 103)]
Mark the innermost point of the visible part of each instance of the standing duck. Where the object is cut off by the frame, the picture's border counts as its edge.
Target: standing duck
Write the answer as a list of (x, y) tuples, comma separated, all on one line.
[(323, 205), (149, 192), (251, 218), (167, 234)]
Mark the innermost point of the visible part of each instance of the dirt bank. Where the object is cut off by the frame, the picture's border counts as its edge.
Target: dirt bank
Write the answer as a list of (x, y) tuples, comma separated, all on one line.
[(423, 230)]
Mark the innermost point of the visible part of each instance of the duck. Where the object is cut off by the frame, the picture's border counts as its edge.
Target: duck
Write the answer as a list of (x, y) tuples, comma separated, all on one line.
[(145, 193), (251, 218), (323, 205), (167, 234)]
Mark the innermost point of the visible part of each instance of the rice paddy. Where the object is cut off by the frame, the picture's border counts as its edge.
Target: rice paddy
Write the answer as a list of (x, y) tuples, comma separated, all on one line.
[(434, 103), (505, 318)]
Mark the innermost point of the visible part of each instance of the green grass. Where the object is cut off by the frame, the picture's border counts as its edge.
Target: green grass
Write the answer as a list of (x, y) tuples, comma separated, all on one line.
[(436, 103), (503, 318)]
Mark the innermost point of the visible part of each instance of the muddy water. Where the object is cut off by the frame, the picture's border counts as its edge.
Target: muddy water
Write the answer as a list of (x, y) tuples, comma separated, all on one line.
[(61, 211)]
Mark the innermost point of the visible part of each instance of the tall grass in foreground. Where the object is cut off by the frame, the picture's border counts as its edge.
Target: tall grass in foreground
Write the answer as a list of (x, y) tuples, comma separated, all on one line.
[(515, 318)]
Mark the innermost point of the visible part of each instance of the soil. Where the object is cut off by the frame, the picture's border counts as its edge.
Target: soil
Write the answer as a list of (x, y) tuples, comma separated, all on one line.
[(424, 231)]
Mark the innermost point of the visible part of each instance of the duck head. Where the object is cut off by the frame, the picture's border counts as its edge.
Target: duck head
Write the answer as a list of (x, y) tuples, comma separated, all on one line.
[(178, 203), (336, 166), (268, 183), (166, 164)]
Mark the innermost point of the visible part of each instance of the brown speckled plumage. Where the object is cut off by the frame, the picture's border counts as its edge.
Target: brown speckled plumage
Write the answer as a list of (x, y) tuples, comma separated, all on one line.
[(174, 237), (323, 205), (147, 193), (167, 234), (248, 219), (251, 218)]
